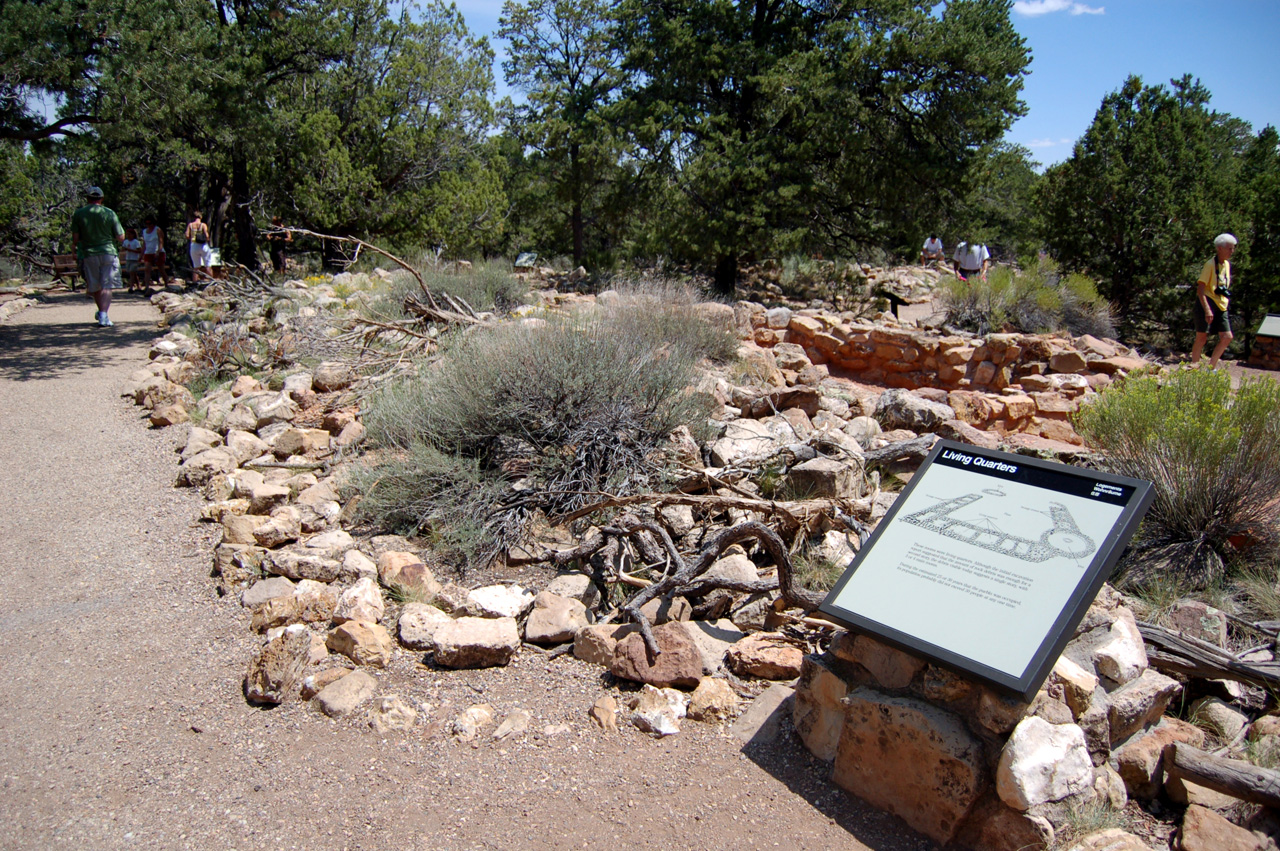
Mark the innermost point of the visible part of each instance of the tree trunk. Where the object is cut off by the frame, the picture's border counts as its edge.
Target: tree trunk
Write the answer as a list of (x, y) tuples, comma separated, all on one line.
[(575, 211), (726, 274), (246, 249)]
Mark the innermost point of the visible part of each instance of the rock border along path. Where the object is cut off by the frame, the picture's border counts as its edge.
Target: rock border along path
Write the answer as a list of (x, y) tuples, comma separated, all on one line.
[(122, 723)]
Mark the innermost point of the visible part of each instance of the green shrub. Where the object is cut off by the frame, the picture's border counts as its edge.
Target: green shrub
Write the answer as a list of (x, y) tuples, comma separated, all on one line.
[(573, 407), (1034, 301), (1212, 456), (488, 285)]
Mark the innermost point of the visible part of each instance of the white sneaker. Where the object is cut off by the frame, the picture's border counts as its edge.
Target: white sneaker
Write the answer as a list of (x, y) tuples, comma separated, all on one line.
[(105, 321)]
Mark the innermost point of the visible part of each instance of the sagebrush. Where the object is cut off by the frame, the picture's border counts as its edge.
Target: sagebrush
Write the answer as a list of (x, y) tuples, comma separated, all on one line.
[(1033, 301), (1211, 453), (540, 417)]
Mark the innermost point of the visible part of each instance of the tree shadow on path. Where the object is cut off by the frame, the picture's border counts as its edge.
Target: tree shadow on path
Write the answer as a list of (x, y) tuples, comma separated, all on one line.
[(36, 347)]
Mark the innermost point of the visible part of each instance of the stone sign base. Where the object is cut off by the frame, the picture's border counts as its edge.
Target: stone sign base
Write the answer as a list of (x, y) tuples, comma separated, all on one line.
[(961, 763)]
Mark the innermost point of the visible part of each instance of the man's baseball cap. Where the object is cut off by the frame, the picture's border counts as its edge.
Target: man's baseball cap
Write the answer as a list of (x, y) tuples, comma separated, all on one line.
[(94, 192)]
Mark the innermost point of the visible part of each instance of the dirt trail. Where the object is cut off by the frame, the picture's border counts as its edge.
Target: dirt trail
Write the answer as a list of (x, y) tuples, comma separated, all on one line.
[(121, 719)]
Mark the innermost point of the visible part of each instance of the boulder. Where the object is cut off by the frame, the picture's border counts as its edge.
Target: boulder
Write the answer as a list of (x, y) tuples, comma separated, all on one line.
[(470, 642), (362, 642), (678, 663), (902, 409), (198, 469), (347, 694), (1123, 656), (418, 624), (554, 619), (1043, 762), (767, 655), (501, 601), (911, 758), (284, 526), (297, 565)]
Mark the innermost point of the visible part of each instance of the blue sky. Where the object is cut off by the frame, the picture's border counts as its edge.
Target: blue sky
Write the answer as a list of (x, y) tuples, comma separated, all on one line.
[(1083, 51)]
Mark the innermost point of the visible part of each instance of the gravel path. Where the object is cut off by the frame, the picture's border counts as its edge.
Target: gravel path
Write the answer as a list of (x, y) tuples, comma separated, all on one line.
[(122, 723)]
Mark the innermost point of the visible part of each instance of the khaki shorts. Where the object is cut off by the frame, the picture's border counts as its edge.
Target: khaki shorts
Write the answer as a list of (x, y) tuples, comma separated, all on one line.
[(101, 272)]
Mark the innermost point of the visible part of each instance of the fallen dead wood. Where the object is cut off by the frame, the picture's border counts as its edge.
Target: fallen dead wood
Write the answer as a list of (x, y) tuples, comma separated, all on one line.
[(793, 514), (1173, 652), (914, 450), (686, 577), (1233, 777)]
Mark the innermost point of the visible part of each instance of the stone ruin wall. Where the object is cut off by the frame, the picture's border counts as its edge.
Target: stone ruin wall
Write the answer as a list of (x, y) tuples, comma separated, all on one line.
[(963, 763)]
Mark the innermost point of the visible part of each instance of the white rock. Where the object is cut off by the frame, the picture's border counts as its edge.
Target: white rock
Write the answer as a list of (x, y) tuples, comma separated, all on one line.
[(575, 586), (659, 711), (1043, 762), (418, 625), (391, 713), (362, 601), (1122, 657), (474, 719), (357, 563), (477, 642), (334, 542), (501, 601)]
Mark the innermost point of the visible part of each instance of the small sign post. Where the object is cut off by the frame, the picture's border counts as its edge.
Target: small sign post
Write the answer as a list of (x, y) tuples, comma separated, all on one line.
[(987, 562)]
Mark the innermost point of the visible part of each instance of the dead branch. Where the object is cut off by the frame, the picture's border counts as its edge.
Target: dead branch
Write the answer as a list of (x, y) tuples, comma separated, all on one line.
[(1233, 777), (360, 243), (914, 450), (793, 515), (1180, 654)]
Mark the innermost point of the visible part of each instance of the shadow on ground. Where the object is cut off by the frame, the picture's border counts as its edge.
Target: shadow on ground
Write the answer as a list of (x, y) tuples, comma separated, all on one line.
[(777, 749), (35, 351)]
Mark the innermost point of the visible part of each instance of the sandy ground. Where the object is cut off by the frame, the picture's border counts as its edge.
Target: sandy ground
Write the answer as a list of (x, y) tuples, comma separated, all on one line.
[(122, 723)]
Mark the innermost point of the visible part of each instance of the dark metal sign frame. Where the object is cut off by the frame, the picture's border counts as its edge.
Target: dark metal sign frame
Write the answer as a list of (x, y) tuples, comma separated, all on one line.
[(958, 578)]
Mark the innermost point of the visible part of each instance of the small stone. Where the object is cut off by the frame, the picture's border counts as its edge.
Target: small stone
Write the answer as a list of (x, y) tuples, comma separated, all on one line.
[(1112, 839), (316, 683), (575, 586), (285, 525), (605, 713), (472, 720), (659, 710), (514, 724), (347, 694), (391, 713), (362, 642), (1204, 830), (357, 563), (678, 662), (330, 376), (1139, 703), (713, 701), (824, 477), (390, 564), (667, 610), (1219, 717), (1123, 656), (266, 589), (767, 655), (1077, 684), (1043, 762)]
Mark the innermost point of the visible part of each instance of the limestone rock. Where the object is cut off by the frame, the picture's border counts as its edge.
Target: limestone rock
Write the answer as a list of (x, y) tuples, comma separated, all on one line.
[(596, 643), (392, 713), (679, 662), (605, 713), (713, 639), (265, 498), (659, 710), (1204, 830), (347, 694), (362, 642), (477, 642), (501, 601), (297, 565), (516, 722), (1140, 762), (418, 624), (170, 414), (1123, 657), (1076, 683), (330, 376), (911, 758), (892, 669), (362, 601), (767, 655), (818, 711), (315, 683), (902, 409), (198, 469), (274, 672), (472, 720), (244, 445), (284, 526), (575, 586), (554, 619), (742, 439), (1141, 702), (1218, 716), (300, 441), (1043, 762), (824, 477), (714, 700), (356, 563), (1112, 839), (266, 589)]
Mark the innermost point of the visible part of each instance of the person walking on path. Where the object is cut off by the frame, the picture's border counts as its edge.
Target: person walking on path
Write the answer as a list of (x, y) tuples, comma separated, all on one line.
[(1213, 294), (971, 259), (152, 252), (95, 232), (201, 252)]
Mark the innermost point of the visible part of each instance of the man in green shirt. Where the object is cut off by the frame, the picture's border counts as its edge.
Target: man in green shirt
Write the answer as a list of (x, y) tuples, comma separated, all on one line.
[(95, 231)]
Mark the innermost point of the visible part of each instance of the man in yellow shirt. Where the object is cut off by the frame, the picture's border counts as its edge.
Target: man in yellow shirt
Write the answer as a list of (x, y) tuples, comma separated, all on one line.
[(1213, 293)]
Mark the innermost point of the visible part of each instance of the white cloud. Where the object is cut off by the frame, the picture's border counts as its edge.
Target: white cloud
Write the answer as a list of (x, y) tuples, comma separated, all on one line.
[(1035, 8), (1047, 143)]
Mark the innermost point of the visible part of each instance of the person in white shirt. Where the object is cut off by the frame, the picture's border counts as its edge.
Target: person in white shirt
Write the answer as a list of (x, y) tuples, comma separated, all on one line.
[(131, 254), (152, 252), (971, 259), (932, 251)]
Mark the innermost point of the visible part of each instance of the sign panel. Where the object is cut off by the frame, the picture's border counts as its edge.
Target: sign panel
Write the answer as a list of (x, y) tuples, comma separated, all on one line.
[(987, 561)]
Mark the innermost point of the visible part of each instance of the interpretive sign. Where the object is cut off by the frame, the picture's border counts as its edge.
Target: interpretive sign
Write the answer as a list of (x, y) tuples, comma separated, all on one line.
[(987, 561)]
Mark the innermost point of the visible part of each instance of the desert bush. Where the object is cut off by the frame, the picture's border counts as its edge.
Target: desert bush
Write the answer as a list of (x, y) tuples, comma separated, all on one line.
[(570, 407), (488, 285), (1034, 301), (1211, 454)]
